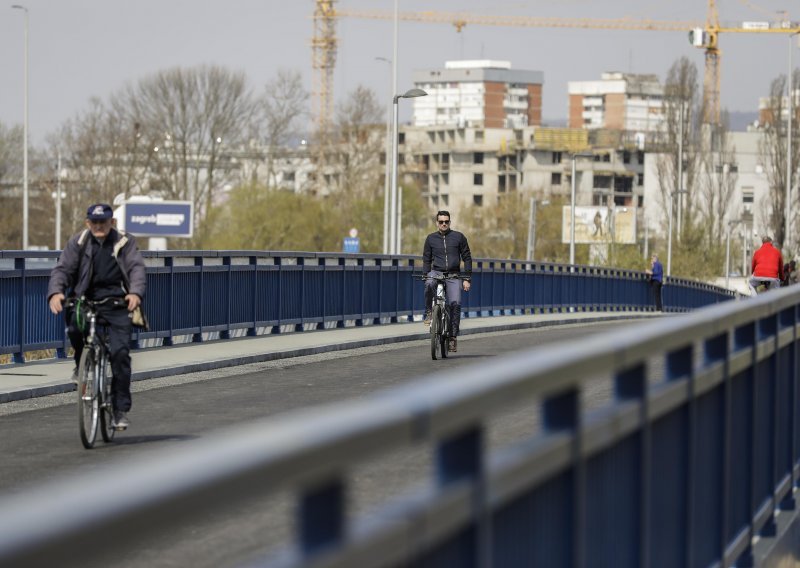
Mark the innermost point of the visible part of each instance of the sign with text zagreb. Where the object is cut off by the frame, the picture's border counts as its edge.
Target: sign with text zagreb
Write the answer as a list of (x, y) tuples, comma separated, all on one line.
[(158, 218)]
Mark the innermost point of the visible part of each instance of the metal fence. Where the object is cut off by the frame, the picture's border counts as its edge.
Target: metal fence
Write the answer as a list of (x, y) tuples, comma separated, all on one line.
[(205, 294), (682, 471)]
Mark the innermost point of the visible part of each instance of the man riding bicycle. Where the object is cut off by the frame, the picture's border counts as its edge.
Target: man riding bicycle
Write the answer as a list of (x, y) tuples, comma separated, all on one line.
[(442, 254), (767, 266), (104, 265)]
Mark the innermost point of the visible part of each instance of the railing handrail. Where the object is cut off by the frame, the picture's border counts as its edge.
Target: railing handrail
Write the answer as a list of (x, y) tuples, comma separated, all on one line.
[(314, 448)]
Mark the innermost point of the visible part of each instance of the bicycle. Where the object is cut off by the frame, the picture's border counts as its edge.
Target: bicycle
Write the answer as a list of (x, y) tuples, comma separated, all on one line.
[(440, 314), (764, 284), (95, 409)]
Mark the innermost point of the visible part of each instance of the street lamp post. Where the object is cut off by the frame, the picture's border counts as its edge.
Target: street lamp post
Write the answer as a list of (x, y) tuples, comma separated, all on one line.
[(387, 168), (669, 239), (731, 224), (25, 139), (572, 210), (393, 239), (58, 205), (532, 228), (788, 197)]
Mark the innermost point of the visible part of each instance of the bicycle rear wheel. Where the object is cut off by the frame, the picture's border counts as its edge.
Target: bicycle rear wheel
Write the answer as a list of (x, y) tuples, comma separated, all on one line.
[(107, 428), (435, 329), (88, 400)]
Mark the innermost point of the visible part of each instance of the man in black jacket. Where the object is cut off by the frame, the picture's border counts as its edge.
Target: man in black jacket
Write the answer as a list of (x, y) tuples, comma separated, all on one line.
[(443, 252), (101, 263)]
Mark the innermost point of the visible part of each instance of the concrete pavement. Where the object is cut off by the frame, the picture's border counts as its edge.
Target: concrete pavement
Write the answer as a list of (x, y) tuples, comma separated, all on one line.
[(41, 378)]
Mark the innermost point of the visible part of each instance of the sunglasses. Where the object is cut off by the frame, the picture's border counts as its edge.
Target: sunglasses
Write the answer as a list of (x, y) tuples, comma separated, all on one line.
[(443, 222)]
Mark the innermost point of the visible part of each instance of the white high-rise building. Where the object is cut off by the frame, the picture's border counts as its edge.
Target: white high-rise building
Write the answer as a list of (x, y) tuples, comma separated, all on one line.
[(619, 101), (481, 94)]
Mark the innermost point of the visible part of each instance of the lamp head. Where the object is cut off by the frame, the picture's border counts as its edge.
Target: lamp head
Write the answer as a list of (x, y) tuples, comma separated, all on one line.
[(411, 93)]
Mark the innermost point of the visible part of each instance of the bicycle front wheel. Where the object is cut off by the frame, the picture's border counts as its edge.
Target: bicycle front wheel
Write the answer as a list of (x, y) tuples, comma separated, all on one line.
[(88, 401), (444, 332), (436, 331), (107, 428)]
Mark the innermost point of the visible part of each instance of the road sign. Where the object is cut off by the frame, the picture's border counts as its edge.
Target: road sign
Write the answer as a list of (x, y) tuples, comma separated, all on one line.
[(351, 245), (156, 218)]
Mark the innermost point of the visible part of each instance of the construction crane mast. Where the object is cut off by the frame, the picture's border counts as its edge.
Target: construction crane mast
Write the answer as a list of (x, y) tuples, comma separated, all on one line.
[(701, 35), (323, 49)]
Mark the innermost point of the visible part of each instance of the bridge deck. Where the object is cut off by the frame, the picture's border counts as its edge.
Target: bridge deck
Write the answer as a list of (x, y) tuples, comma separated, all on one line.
[(20, 381)]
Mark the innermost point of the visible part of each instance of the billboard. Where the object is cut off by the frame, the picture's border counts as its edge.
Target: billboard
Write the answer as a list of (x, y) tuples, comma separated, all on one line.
[(598, 224), (156, 218)]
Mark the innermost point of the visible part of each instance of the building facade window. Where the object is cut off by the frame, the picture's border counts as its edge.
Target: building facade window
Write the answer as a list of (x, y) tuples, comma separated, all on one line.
[(555, 178), (477, 158), (477, 179), (477, 200)]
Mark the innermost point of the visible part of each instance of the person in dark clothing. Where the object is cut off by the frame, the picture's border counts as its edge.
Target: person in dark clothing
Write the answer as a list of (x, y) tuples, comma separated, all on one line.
[(96, 264), (442, 254), (655, 274)]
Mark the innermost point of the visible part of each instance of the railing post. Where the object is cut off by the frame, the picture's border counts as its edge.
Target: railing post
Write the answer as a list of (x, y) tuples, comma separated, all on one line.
[(301, 262), (169, 262), (19, 264), (226, 333), (458, 458), (562, 413), (197, 337), (253, 262), (631, 385), (321, 517), (279, 262)]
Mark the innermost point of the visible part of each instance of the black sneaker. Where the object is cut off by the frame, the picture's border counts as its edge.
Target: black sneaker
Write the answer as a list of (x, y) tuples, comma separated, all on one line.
[(121, 421)]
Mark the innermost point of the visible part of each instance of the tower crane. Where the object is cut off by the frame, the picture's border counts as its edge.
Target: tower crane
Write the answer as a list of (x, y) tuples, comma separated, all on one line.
[(701, 35)]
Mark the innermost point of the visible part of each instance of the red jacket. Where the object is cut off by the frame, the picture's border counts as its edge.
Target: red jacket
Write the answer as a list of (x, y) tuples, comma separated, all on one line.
[(768, 262)]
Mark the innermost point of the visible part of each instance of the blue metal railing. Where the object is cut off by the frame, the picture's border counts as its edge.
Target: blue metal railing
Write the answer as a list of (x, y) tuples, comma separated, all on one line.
[(690, 459), (218, 293)]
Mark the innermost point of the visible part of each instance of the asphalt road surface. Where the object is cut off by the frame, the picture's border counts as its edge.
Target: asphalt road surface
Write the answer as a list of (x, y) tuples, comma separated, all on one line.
[(40, 438)]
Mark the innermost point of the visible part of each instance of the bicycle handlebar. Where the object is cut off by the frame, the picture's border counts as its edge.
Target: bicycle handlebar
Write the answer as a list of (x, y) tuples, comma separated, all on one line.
[(444, 276)]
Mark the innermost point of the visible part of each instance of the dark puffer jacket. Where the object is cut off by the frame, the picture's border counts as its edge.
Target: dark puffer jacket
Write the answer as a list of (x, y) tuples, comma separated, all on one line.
[(72, 270), (444, 252)]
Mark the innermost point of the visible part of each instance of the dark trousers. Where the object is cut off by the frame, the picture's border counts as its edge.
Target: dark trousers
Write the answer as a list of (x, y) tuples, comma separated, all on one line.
[(656, 285), (119, 338)]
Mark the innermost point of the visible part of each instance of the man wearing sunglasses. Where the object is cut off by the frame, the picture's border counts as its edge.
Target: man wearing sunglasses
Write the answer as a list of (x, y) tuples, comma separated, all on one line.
[(102, 264), (443, 252)]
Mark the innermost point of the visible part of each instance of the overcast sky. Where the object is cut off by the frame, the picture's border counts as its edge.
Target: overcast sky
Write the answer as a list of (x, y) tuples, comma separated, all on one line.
[(85, 48)]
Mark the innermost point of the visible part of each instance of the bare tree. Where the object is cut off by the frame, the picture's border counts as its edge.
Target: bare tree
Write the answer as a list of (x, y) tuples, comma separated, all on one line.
[(681, 106), (10, 186), (195, 118), (772, 150), (360, 136), (104, 149), (716, 181), (282, 106)]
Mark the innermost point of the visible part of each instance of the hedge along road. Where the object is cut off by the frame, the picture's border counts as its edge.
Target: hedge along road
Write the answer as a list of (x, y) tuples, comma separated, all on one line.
[(41, 442)]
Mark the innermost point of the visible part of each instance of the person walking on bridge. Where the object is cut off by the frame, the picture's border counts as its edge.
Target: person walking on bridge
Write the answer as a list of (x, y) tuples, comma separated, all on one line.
[(442, 255), (767, 266), (102, 263), (655, 275)]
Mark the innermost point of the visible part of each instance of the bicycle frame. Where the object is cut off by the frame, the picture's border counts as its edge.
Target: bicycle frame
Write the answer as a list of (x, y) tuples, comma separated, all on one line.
[(94, 397)]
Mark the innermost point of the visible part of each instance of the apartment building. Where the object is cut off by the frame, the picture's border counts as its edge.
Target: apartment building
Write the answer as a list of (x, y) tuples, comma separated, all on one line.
[(621, 101), (767, 107), (464, 167), (480, 94)]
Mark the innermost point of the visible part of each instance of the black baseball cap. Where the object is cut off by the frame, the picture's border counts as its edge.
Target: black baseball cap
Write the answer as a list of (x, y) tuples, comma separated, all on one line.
[(99, 211)]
